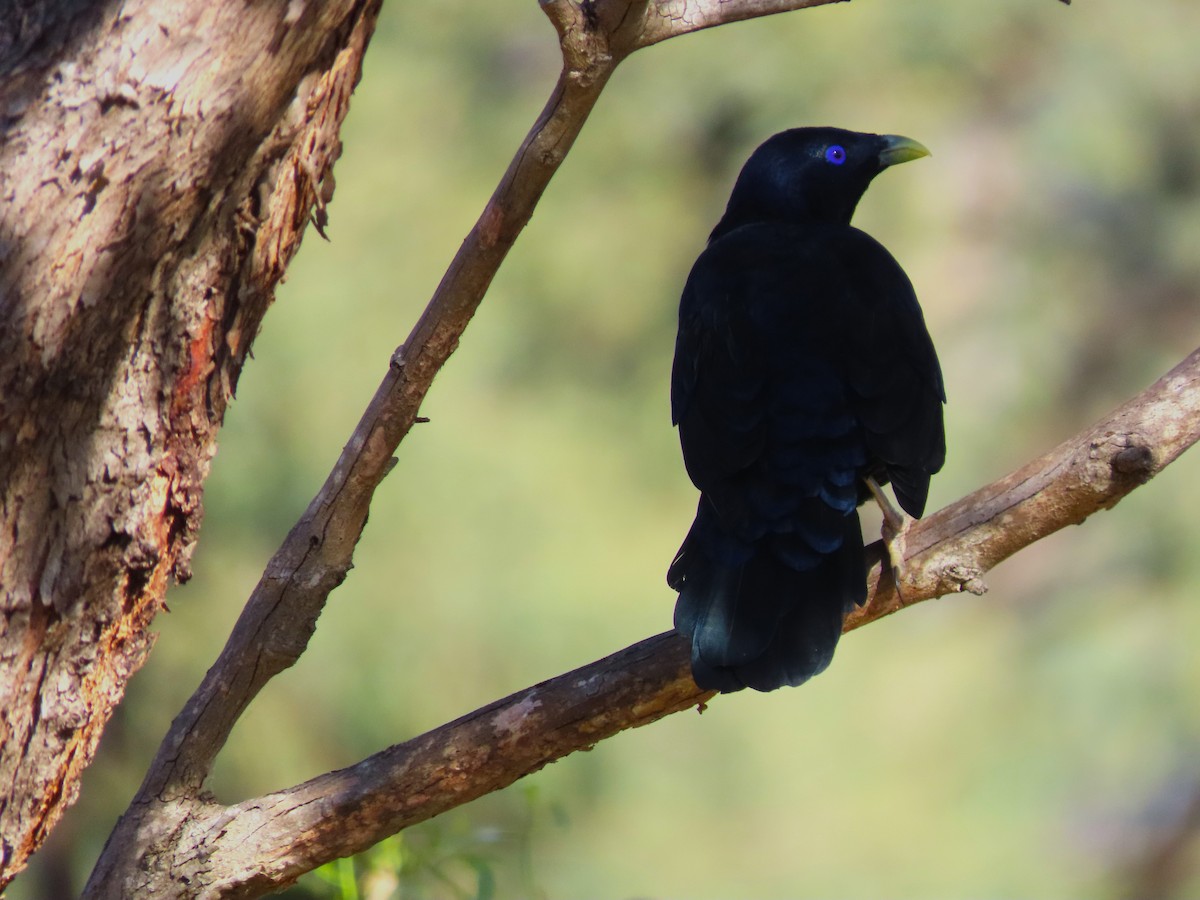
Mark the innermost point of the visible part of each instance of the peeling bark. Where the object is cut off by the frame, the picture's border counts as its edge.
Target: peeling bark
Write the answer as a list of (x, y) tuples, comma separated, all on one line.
[(158, 164)]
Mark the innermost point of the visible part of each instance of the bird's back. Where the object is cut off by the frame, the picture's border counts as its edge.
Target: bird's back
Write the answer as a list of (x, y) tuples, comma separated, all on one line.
[(802, 366)]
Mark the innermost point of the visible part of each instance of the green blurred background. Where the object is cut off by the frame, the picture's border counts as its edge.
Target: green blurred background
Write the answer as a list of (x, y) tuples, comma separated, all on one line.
[(1030, 743)]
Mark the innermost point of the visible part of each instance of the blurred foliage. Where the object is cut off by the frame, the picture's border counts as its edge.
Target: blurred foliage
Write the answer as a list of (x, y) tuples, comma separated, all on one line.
[(448, 857), (1011, 746)]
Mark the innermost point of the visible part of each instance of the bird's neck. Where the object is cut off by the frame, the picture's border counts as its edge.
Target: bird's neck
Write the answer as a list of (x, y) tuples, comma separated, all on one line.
[(778, 210)]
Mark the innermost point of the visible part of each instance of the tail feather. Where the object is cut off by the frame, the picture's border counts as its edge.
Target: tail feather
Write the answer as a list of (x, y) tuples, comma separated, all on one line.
[(764, 623)]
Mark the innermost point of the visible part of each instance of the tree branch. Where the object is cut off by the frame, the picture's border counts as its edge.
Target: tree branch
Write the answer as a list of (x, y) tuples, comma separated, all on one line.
[(950, 551), (171, 833), (268, 841), (344, 812)]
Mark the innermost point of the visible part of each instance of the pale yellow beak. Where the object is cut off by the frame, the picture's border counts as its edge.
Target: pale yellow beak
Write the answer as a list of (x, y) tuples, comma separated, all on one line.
[(898, 149)]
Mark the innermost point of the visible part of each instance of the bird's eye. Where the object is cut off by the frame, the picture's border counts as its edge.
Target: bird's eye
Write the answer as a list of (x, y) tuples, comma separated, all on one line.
[(835, 154)]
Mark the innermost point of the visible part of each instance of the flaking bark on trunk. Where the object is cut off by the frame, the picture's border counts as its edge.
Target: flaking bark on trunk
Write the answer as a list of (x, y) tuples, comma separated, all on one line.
[(158, 163)]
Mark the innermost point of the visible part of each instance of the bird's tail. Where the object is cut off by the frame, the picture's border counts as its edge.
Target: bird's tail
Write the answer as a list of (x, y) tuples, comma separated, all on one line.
[(769, 618)]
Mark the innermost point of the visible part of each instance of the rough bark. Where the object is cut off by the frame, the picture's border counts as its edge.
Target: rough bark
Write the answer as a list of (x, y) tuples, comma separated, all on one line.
[(158, 164)]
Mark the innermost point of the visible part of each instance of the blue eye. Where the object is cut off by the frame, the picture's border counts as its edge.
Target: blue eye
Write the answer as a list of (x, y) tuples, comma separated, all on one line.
[(835, 154)]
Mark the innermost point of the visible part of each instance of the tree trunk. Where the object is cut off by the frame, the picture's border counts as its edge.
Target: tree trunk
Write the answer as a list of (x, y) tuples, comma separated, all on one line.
[(158, 162)]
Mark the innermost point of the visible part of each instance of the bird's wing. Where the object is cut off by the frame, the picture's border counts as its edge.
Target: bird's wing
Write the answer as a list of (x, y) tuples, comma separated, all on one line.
[(891, 368), (719, 375), (762, 408)]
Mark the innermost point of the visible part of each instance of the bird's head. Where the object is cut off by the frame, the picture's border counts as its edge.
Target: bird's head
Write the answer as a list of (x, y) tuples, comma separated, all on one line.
[(811, 175)]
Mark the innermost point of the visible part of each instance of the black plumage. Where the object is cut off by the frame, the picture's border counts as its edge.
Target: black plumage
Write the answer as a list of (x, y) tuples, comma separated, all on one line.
[(802, 367)]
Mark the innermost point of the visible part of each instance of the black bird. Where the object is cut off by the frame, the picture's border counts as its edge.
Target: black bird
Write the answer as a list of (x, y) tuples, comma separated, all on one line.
[(803, 373)]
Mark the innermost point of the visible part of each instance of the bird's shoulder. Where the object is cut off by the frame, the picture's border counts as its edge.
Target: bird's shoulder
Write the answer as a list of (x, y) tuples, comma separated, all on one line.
[(806, 282), (760, 260), (766, 309)]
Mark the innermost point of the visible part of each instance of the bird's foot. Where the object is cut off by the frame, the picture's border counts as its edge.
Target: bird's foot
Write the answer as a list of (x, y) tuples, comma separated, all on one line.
[(894, 532)]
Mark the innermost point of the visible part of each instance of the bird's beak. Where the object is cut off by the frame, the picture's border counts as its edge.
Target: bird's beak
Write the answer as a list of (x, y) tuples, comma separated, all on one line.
[(897, 149)]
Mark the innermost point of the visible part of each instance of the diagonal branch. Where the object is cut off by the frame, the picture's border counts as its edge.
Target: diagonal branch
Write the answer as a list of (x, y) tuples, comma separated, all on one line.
[(268, 841), (344, 812), (951, 550)]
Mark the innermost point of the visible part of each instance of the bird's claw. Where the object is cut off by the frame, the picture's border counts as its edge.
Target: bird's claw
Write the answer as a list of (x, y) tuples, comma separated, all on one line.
[(895, 541), (894, 532)]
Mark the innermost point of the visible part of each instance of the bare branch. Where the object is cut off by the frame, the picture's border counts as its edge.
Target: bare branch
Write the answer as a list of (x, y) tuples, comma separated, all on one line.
[(670, 18), (269, 841), (950, 551)]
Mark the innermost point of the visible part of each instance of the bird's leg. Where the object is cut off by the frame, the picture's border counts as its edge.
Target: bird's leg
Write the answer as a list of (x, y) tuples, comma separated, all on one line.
[(895, 532)]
